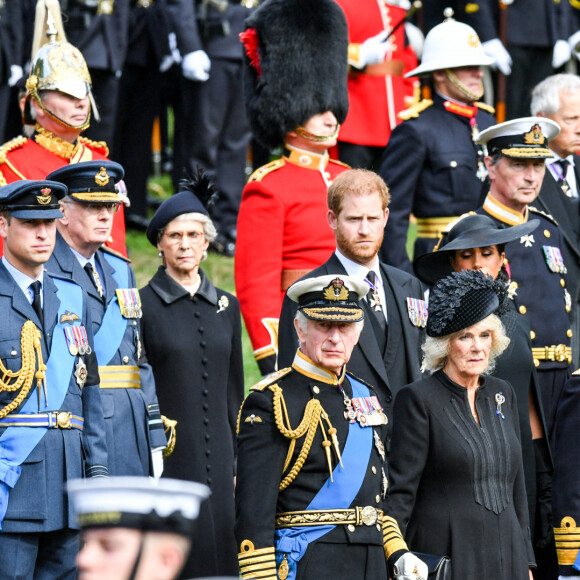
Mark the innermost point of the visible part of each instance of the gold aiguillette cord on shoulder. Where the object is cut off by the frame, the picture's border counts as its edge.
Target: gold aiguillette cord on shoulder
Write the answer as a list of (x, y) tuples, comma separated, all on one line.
[(12, 381), (314, 415)]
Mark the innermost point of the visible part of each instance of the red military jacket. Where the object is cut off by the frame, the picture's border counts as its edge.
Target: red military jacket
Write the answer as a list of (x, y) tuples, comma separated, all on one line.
[(43, 153), (376, 93), (282, 234)]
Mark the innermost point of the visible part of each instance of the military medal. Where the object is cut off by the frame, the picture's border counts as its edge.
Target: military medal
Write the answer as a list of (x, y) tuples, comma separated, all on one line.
[(567, 300), (81, 373), (129, 302), (385, 483), (380, 446), (554, 259), (77, 340), (527, 240), (417, 310), (374, 298), (368, 411)]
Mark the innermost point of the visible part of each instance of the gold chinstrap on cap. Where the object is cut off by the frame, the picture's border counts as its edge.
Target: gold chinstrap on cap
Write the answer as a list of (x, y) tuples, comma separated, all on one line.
[(324, 314), (527, 152)]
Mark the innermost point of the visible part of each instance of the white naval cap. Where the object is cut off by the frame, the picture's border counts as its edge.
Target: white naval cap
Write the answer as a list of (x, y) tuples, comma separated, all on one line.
[(165, 505)]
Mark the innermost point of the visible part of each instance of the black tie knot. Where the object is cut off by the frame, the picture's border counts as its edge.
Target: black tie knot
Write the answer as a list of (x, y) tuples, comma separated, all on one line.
[(563, 164)]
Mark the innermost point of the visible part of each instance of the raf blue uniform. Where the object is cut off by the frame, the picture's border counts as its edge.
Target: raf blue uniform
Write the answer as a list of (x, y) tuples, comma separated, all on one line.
[(541, 296), (38, 527), (132, 417), (431, 167)]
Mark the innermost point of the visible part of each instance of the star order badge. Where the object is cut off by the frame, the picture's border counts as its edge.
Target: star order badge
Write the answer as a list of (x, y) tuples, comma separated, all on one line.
[(527, 240), (81, 373)]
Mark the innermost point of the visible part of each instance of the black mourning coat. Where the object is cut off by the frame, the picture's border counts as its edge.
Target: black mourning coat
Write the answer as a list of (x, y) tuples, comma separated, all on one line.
[(194, 347), (457, 488)]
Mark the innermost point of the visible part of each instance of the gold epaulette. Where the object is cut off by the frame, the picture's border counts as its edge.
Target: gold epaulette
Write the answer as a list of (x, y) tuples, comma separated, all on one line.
[(270, 379), (260, 173), (115, 253), (485, 107), (340, 163), (414, 110), (15, 143), (100, 146), (543, 213)]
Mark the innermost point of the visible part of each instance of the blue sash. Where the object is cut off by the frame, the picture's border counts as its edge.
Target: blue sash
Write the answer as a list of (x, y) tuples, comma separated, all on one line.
[(16, 443), (107, 342), (339, 494)]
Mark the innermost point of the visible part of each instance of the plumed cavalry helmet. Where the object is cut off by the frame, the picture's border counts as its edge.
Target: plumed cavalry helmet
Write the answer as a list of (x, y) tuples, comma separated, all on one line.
[(56, 65), (451, 44), (296, 56)]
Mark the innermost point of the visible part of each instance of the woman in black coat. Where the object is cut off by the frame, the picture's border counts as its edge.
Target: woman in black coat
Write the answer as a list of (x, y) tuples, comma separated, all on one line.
[(192, 336), (476, 242), (456, 473)]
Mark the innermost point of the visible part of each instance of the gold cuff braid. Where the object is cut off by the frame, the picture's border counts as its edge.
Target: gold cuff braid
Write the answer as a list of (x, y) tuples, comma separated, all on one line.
[(259, 563), (392, 537)]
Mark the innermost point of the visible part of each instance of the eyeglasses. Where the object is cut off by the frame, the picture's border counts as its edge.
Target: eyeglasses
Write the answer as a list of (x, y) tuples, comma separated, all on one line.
[(96, 208), (177, 237)]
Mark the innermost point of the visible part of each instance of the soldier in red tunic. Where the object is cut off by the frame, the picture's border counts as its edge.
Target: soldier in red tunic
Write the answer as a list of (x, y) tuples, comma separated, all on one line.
[(295, 95), (58, 104), (377, 88)]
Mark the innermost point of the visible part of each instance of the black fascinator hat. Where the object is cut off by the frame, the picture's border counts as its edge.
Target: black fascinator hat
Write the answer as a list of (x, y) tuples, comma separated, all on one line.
[(463, 299), (195, 196)]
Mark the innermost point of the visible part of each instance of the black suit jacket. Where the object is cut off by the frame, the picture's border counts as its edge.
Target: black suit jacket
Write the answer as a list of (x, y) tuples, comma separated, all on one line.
[(566, 212), (401, 362)]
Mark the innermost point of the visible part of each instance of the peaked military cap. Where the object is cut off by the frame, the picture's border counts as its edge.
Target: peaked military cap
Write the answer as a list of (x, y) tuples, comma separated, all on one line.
[(332, 298), (525, 138), (91, 181), (164, 505), (27, 199)]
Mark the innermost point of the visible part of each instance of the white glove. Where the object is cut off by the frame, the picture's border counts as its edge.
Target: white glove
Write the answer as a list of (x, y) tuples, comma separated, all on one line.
[(496, 50), (416, 38), (409, 567), (373, 49), (157, 461), (574, 43), (15, 74), (196, 66), (561, 54)]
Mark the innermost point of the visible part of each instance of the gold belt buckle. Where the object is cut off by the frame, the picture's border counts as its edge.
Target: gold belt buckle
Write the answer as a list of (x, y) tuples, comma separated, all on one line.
[(63, 420), (560, 353), (367, 515)]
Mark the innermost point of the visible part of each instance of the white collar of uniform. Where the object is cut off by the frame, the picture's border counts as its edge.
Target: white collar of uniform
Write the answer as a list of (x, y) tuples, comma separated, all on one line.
[(503, 213), (359, 271), (305, 366)]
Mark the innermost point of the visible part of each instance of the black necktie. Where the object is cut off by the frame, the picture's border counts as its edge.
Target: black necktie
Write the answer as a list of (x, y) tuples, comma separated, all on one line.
[(95, 279), (562, 182), (37, 300)]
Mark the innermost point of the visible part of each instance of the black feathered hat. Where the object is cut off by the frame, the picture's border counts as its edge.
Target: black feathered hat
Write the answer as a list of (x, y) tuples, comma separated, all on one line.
[(195, 196), (464, 299), (296, 65)]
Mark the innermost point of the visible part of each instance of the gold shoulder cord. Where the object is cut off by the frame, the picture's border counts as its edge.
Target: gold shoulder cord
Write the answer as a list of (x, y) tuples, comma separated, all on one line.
[(313, 416), (169, 425), (22, 379)]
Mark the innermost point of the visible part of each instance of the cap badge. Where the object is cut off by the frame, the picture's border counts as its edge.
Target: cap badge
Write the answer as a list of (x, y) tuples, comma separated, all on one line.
[(336, 290), (102, 178), (473, 40), (534, 136), (45, 197)]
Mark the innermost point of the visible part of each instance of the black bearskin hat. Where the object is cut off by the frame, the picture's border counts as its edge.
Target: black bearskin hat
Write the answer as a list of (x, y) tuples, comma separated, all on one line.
[(296, 65)]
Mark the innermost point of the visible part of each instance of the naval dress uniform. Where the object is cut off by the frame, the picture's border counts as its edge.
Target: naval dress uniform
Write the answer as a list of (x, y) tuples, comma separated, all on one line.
[(293, 518), (566, 481), (43, 153), (538, 289), (434, 170), (282, 235), (132, 418), (53, 434), (377, 93), (386, 364)]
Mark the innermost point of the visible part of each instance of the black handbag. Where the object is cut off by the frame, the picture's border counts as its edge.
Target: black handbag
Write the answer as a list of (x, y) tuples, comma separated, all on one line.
[(439, 566)]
